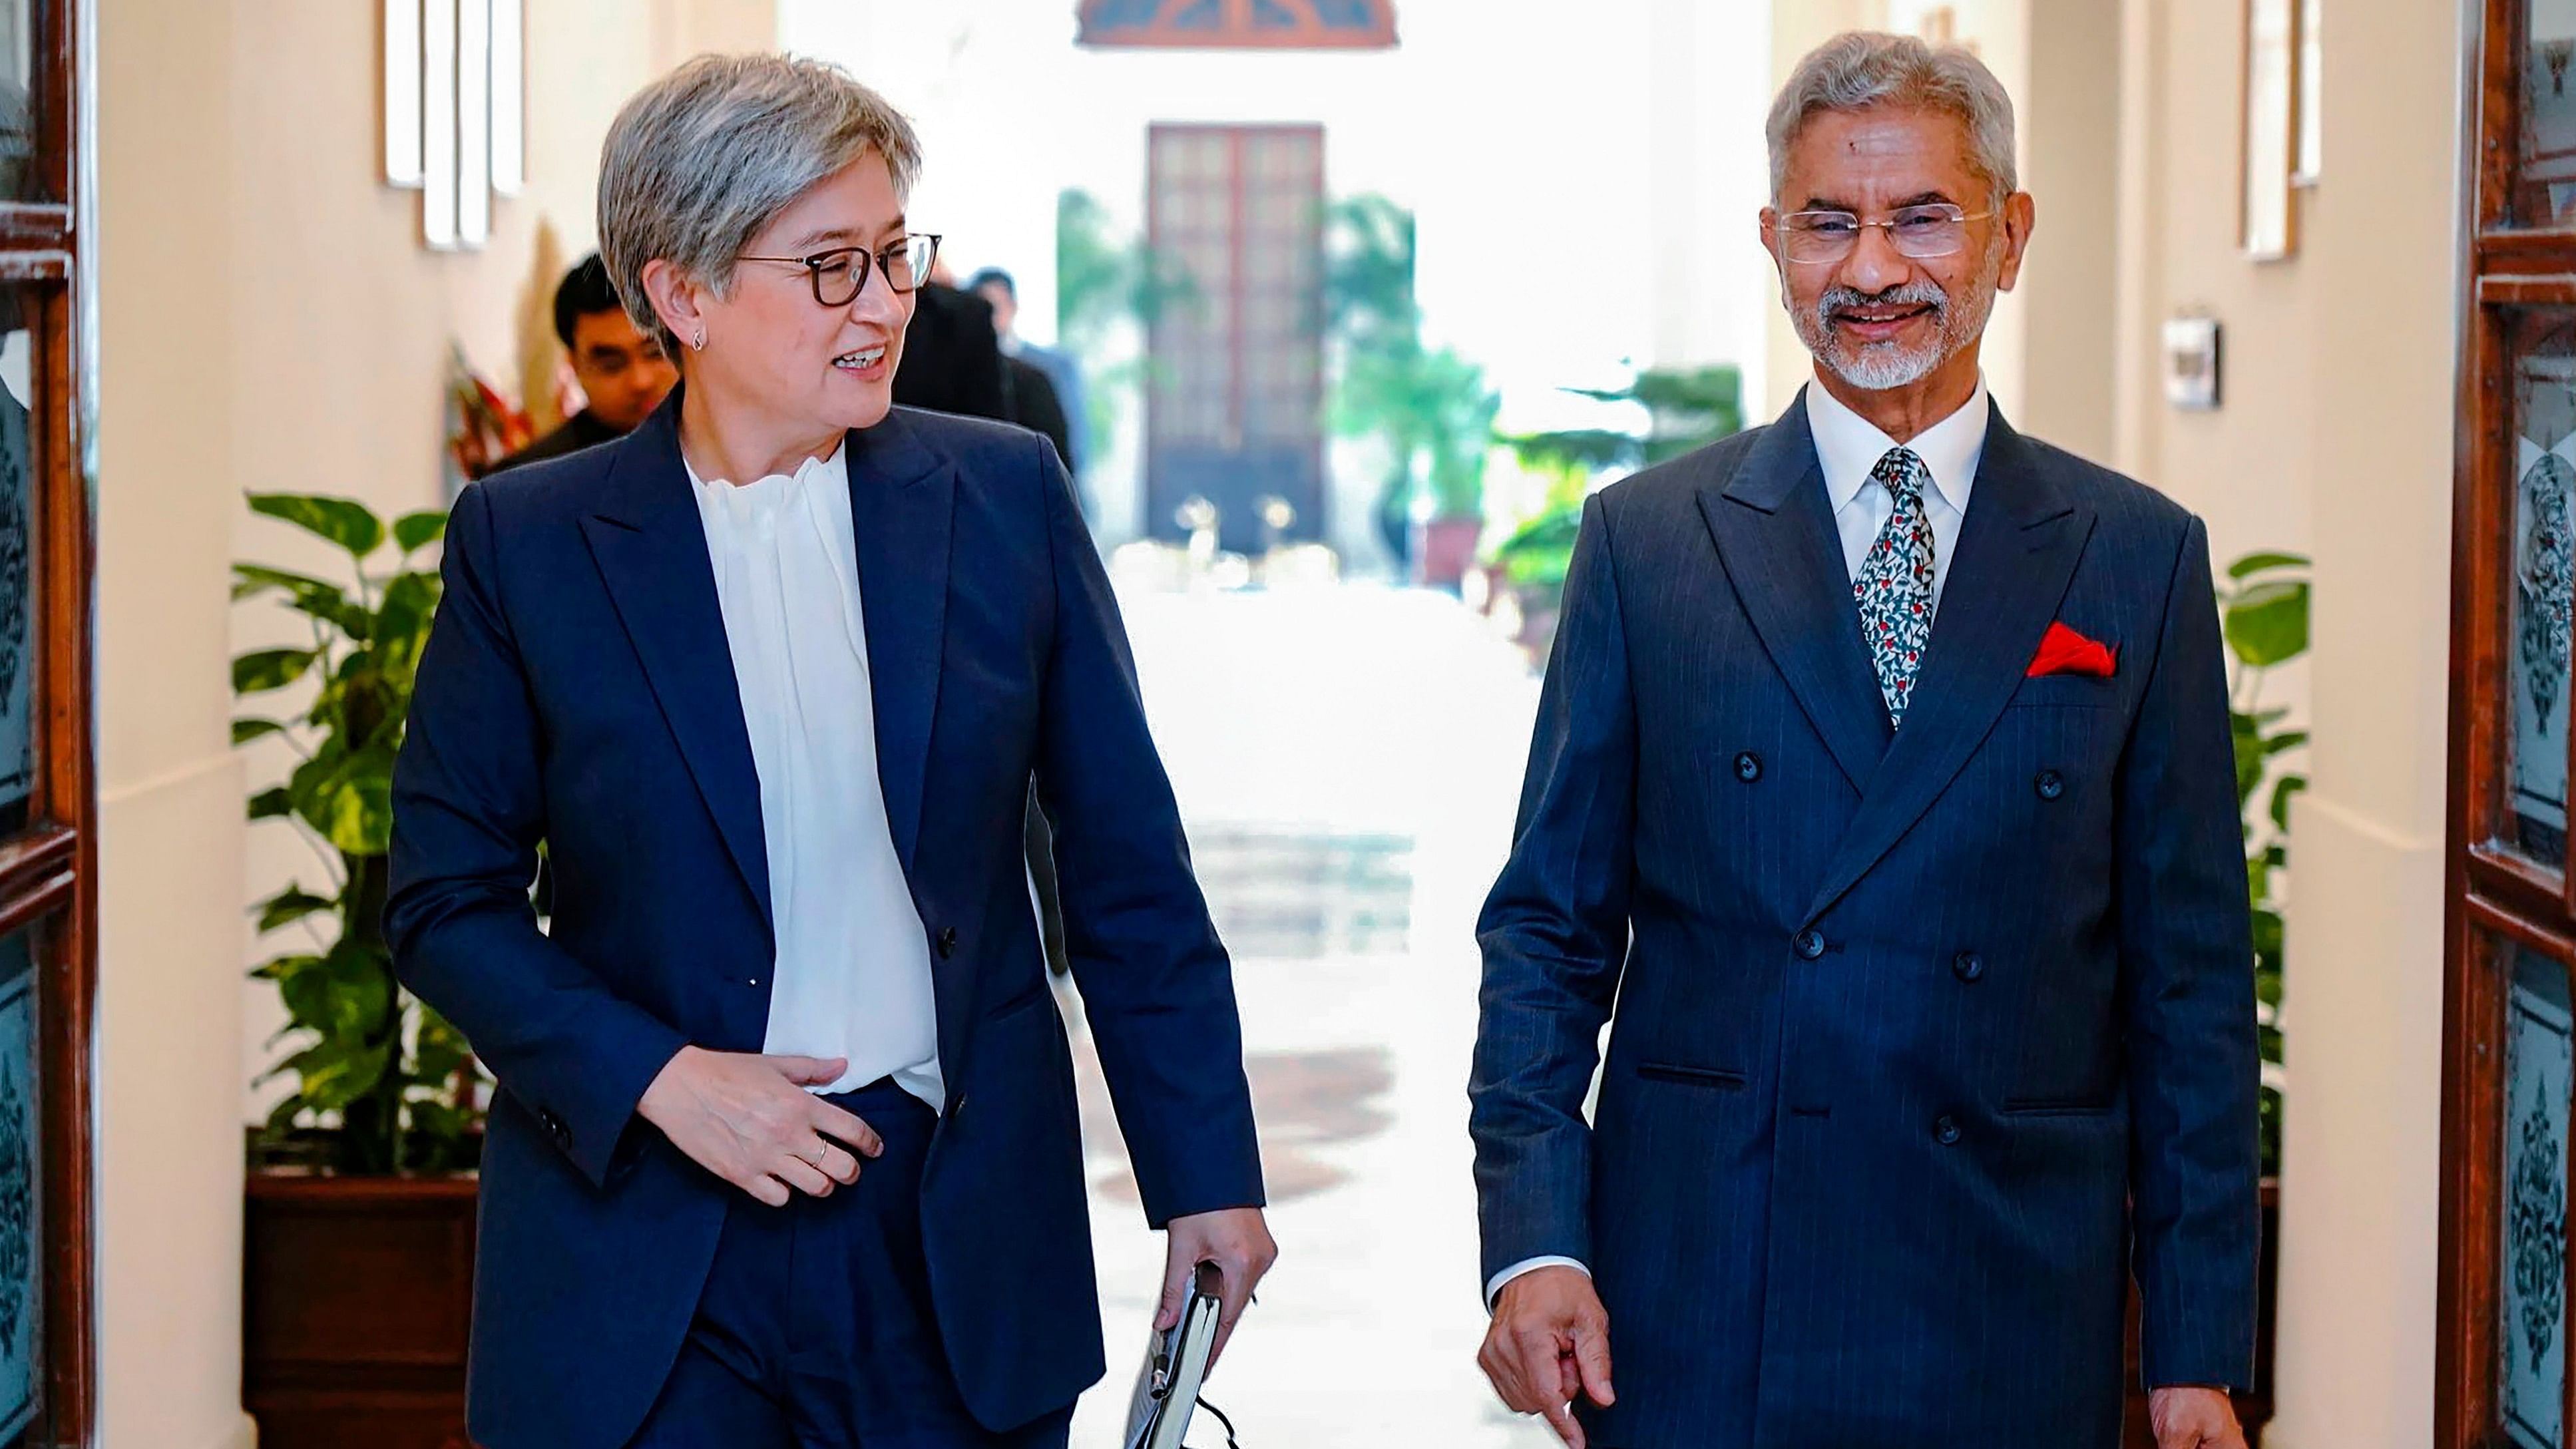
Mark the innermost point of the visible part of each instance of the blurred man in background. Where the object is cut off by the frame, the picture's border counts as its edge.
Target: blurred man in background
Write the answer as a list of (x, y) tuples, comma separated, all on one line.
[(1063, 373), (622, 372)]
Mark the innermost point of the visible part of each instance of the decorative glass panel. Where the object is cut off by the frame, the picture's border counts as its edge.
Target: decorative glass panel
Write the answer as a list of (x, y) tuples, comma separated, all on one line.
[(2544, 583), (22, 177), (2540, 1075), (2545, 194), (22, 1293)]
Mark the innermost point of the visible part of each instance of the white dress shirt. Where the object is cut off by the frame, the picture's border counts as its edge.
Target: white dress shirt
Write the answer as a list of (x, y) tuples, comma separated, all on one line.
[(852, 976), (1849, 446)]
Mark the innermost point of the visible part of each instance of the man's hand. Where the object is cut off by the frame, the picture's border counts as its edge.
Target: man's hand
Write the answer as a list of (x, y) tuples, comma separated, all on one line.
[(2193, 1418), (748, 1120), (1550, 1341), (1238, 1242)]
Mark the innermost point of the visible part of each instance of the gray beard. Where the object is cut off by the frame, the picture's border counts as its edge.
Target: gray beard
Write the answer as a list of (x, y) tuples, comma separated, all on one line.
[(1883, 366)]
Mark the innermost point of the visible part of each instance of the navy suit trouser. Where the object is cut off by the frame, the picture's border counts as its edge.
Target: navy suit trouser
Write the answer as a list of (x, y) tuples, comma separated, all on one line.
[(816, 1331)]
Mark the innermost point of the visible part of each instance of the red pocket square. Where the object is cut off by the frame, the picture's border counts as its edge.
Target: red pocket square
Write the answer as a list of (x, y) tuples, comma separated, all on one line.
[(2066, 652)]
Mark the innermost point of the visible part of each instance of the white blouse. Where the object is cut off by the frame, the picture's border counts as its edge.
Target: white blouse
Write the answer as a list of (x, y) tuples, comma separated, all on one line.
[(852, 977)]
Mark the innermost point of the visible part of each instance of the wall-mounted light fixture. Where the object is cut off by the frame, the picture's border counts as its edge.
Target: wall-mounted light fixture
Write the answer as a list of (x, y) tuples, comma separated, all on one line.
[(455, 111)]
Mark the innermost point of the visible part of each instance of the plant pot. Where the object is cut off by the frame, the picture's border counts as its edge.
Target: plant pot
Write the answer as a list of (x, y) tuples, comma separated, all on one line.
[(2254, 1409), (356, 1297), (1444, 549)]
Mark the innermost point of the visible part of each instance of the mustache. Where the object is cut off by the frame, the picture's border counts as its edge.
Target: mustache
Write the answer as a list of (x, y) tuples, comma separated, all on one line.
[(1918, 293)]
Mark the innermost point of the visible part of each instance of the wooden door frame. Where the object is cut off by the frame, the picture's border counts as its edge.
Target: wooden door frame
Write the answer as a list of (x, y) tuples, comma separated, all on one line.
[(49, 871), (2490, 894)]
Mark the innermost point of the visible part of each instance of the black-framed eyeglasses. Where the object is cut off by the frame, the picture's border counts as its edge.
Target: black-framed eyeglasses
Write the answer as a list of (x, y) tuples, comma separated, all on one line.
[(1920, 233), (840, 274)]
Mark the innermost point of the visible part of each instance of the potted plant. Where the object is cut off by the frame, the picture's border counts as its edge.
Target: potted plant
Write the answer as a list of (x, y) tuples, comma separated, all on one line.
[(1430, 410), (359, 1220)]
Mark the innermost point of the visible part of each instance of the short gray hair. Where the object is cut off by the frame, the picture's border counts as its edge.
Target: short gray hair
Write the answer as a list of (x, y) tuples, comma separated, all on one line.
[(702, 159), (1864, 69)]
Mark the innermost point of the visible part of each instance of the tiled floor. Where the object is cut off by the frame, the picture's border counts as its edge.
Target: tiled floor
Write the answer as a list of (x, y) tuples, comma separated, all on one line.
[(1348, 761)]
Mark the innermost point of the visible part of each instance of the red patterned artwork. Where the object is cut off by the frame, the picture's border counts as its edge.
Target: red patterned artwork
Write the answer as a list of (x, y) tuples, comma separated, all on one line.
[(1239, 24)]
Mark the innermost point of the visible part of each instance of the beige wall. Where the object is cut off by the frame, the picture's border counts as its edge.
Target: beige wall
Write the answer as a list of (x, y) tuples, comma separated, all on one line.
[(2069, 104), (2246, 467), (170, 840), (2364, 1120), (339, 351), (268, 320), (2335, 438)]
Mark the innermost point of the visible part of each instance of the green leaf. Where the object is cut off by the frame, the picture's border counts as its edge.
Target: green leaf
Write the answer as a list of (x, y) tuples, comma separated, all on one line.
[(274, 804), (2267, 935), (1585, 448), (279, 968), (348, 798), (247, 729), (267, 669), (2282, 794), (402, 630), (289, 906), (441, 1049), (2285, 740), (2268, 623), (2248, 739), (2255, 563), (347, 995), (416, 531), (249, 579), (439, 1120), (281, 1118), (335, 1073), (343, 521)]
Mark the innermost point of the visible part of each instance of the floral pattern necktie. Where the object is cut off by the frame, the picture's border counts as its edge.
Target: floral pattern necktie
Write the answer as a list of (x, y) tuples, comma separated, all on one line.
[(1893, 586)]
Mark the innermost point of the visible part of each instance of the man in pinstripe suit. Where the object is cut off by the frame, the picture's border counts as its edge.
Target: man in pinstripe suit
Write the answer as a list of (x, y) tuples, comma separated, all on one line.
[(1917, 887)]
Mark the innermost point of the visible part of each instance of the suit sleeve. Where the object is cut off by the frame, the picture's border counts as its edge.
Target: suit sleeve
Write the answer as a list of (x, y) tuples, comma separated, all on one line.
[(1555, 932), (469, 808), (1155, 981), (2187, 984)]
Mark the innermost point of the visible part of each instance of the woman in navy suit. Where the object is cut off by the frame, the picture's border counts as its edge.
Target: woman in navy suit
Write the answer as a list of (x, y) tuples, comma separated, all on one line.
[(785, 1151)]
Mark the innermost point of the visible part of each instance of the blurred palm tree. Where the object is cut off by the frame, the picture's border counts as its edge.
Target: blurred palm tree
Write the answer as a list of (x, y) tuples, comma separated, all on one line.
[(1430, 409)]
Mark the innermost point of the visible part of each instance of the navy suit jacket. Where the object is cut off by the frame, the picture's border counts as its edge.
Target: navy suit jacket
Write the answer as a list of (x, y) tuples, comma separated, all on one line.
[(578, 688), (1925, 1038)]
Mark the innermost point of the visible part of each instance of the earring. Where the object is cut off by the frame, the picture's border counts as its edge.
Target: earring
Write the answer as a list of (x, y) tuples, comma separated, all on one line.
[(698, 342)]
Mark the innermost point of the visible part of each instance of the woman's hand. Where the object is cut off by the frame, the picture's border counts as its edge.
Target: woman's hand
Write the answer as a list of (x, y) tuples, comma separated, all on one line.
[(749, 1120), (1238, 1242)]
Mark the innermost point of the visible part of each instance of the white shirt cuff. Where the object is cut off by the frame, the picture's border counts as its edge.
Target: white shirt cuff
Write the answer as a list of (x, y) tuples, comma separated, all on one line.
[(1494, 1289)]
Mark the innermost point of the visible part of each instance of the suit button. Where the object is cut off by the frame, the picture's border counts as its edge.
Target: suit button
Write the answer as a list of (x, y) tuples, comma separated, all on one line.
[(957, 1108), (947, 943), (555, 1127), (1748, 767), (2049, 784), (1809, 944), (1945, 1130), (1968, 966)]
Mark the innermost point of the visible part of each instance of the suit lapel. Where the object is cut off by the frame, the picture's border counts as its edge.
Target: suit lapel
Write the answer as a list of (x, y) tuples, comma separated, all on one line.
[(902, 502), (2017, 550), (651, 548), (1777, 540)]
